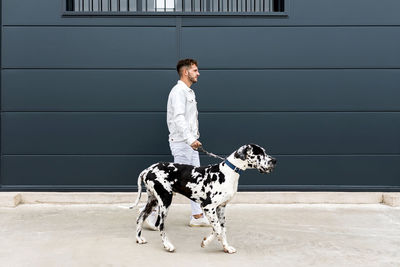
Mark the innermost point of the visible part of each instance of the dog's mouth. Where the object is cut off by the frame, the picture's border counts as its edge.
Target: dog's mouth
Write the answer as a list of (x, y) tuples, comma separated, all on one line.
[(266, 170)]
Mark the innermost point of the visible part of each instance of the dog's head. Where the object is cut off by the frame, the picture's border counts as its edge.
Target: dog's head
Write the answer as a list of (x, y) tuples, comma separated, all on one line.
[(256, 158)]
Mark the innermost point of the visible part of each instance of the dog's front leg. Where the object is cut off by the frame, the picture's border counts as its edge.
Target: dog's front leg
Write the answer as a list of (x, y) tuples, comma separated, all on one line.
[(218, 231), (209, 213), (207, 240), (221, 217)]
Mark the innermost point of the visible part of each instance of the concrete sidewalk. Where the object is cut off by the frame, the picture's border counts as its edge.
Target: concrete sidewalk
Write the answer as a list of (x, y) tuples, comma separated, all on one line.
[(264, 235)]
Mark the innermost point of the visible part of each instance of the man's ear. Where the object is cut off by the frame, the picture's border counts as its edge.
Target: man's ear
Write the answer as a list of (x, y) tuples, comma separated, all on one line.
[(241, 153), (185, 71)]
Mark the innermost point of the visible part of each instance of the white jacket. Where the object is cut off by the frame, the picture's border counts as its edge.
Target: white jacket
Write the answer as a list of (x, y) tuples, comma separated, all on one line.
[(182, 114)]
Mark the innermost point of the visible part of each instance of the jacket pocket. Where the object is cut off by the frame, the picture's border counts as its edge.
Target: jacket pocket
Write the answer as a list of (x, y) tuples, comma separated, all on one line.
[(191, 100)]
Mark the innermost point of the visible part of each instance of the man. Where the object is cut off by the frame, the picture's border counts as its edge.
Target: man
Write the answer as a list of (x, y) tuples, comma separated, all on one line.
[(183, 126)]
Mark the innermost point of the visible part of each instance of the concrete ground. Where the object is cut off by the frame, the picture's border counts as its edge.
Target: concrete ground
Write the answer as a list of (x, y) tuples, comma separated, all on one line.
[(264, 235)]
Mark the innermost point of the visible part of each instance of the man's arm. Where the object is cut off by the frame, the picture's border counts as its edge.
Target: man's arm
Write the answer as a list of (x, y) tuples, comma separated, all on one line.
[(178, 102)]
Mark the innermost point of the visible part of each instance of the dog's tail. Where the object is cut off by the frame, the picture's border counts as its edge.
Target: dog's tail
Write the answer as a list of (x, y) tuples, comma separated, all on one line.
[(139, 183)]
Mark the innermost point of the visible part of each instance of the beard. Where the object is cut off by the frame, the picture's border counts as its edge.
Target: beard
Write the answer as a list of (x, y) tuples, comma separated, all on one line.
[(192, 79)]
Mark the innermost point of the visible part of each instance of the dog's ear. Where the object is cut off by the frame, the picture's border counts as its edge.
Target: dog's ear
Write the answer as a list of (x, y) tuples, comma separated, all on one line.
[(241, 153)]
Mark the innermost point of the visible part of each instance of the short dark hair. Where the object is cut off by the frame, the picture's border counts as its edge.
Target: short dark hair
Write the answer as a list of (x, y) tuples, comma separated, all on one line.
[(187, 62)]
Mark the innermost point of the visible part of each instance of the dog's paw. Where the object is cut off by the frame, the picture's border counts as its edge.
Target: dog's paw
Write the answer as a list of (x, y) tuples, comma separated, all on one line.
[(141, 240), (169, 247), (229, 249), (207, 240), (203, 242)]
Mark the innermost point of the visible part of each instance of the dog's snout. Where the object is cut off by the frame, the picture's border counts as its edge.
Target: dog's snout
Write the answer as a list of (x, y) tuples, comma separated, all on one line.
[(273, 160)]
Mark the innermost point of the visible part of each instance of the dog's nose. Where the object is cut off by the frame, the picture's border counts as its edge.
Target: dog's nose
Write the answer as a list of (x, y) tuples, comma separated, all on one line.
[(273, 160)]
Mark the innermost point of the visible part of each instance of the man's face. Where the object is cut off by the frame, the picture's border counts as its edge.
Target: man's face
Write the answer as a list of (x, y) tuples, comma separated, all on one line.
[(193, 73)]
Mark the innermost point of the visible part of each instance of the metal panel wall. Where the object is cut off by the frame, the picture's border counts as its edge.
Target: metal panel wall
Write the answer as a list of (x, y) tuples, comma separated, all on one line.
[(83, 99)]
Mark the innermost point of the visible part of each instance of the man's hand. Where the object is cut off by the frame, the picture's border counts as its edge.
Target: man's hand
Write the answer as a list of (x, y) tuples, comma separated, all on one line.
[(195, 145)]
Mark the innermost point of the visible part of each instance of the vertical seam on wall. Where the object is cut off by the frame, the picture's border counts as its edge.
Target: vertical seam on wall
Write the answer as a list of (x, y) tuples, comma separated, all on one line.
[(178, 21), (1, 91)]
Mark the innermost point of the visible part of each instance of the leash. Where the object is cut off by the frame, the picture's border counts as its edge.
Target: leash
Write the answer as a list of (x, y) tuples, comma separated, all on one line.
[(201, 148), (230, 165)]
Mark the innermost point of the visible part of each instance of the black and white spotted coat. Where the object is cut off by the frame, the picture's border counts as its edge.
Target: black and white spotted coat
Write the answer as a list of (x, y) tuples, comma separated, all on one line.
[(211, 186)]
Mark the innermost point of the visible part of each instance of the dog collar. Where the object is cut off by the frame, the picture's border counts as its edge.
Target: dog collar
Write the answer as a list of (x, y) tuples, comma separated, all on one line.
[(233, 167)]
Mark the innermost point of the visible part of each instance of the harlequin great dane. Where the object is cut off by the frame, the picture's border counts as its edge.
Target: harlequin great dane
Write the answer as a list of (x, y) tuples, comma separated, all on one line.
[(211, 186)]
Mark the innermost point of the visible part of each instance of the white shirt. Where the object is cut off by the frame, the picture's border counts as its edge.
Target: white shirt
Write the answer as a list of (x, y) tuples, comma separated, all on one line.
[(182, 114)]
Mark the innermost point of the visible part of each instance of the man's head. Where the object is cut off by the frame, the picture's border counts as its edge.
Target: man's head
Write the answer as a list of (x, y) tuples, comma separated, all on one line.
[(188, 70)]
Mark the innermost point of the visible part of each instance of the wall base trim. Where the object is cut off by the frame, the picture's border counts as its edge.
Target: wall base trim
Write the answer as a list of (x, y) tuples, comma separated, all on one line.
[(13, 199)]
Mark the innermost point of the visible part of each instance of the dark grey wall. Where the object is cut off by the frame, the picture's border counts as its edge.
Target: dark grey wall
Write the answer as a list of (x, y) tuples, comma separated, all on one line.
[(83, 99)]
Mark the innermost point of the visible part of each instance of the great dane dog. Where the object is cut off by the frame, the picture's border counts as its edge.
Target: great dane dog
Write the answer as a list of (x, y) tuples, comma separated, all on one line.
[(211, 186)]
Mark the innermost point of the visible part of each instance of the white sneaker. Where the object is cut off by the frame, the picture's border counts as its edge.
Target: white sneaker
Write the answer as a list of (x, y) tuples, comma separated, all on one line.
[(151, 220), (200, 222)]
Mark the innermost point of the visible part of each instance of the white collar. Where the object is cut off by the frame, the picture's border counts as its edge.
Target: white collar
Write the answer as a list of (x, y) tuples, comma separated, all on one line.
[(185, 86)]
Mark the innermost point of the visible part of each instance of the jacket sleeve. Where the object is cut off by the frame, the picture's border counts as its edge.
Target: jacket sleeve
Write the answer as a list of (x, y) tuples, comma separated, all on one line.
[(178, 102)]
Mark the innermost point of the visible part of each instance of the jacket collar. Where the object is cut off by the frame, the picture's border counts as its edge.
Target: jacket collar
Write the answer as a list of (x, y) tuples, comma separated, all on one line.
[(185, 86)]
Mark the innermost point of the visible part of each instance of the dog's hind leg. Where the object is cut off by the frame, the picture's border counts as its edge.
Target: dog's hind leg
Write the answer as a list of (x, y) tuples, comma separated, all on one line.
[(151, 203), (164, 199), (166, 243)]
